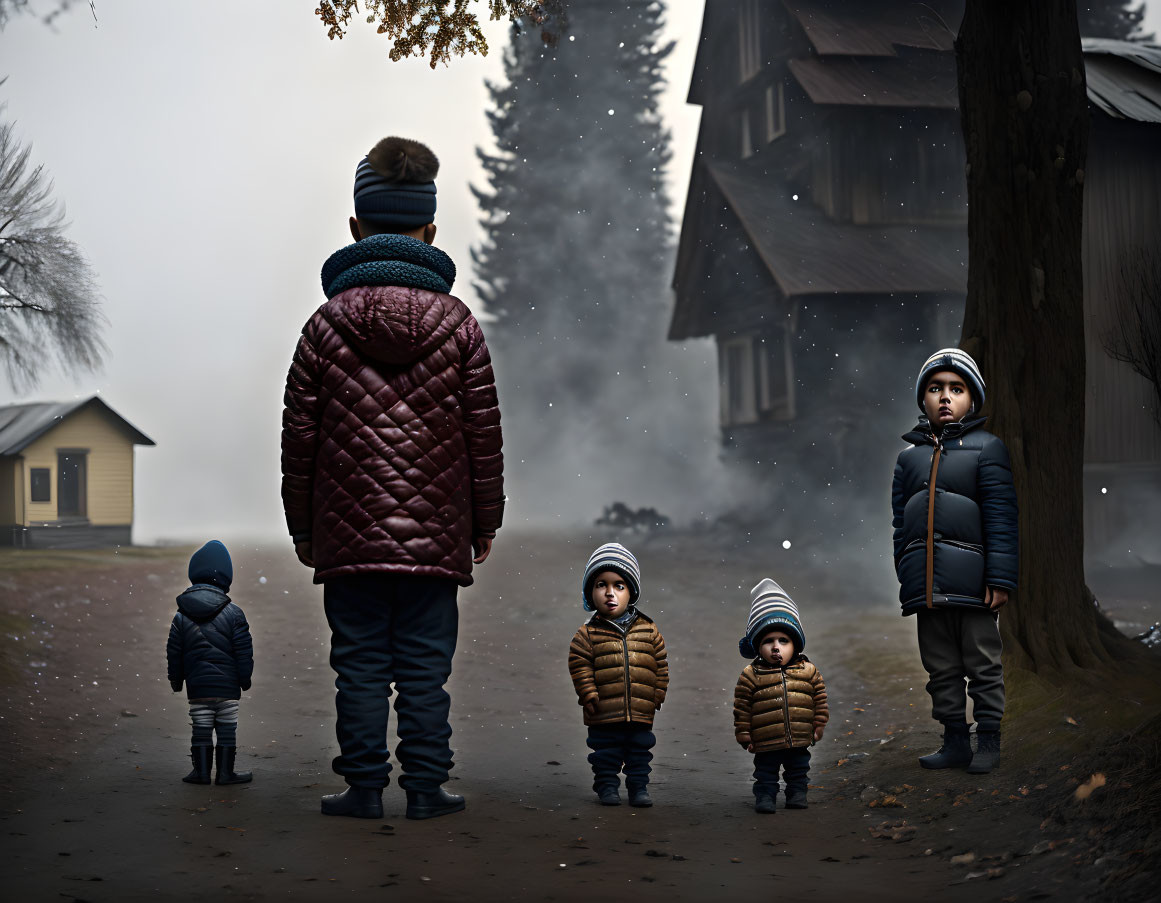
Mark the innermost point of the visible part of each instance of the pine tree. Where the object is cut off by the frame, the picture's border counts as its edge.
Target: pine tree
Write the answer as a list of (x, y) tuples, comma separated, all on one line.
[(577, 258)]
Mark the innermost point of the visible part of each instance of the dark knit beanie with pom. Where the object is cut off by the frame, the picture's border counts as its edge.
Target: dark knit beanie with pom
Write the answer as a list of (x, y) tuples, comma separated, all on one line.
[(395, 184)]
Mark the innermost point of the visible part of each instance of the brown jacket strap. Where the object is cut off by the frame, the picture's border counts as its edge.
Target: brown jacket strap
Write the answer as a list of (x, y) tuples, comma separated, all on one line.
[(930, 580)]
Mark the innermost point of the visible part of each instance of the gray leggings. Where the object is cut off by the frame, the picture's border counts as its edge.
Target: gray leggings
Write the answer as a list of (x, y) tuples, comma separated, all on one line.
[(958, 644), (206, 715)]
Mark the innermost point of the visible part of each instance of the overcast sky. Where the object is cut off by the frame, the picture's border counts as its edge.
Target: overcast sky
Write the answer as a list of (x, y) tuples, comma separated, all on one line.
[(205, 154)]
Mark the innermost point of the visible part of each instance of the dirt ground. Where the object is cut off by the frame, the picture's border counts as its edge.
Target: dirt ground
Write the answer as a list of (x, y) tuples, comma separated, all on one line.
[(95, 743)]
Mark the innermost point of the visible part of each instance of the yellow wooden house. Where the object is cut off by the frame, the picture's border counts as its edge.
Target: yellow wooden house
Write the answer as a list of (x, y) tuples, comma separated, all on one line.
[(66, 475)]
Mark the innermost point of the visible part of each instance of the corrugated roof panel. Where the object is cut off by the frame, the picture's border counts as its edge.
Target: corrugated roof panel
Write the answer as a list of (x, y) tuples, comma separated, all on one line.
[(923, 81), (871, 29)]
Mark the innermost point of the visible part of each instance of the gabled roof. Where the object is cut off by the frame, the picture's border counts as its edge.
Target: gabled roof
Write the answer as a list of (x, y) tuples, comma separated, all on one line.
[(23, 424), (1123, 78), (921, 80), (807, 253), (868, 28)]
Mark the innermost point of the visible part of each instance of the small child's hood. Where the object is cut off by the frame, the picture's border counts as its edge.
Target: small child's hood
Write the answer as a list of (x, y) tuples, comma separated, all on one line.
[(202, 602), (393, 324)]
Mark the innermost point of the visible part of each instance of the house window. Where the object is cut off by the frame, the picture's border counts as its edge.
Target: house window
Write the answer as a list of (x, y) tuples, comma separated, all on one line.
[(757, 378), (747, 140), (41, 478), (775, 112), (749, 41)]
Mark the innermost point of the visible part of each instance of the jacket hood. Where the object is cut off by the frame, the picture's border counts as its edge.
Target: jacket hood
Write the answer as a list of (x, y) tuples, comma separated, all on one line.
[(202, 602), (393, 324), (921, 433), (211, 564)]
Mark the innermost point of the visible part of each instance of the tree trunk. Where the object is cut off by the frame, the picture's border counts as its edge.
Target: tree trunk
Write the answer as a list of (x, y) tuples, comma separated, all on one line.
[(1025, 123)]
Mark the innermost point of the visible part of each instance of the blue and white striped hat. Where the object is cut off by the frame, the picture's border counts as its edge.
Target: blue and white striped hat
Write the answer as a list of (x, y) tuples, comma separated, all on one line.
[(957, 361), (771, 607), (612, 556)]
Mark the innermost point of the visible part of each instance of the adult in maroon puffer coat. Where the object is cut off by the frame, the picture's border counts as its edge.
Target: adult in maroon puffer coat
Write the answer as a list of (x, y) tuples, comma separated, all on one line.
[(392, 478)]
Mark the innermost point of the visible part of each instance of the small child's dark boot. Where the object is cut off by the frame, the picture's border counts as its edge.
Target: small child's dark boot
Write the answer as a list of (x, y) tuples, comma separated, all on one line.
[(607, 795), (225, 762), (203, 759), (987, 754), (795, 797), (639, 797), (956, 750), (764, 803)]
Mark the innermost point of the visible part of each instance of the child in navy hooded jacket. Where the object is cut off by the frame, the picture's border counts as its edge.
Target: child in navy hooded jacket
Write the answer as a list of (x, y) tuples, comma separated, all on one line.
[(210, 650)]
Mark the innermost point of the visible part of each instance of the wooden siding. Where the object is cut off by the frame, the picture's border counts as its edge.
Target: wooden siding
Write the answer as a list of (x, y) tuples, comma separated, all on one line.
[(1122, 211), (11, 498), (109, 465)]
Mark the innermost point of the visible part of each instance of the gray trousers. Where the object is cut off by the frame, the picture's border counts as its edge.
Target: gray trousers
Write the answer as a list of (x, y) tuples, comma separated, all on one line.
[(958, 644)]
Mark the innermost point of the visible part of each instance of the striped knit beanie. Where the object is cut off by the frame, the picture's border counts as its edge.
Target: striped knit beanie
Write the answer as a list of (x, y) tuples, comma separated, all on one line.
[(770, 607), (958, 361), (612, 556), (398, 205)]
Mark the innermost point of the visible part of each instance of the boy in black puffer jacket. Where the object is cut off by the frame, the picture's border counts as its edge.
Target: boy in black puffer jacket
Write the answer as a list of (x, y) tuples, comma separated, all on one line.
[(210, 650), (956, 554)]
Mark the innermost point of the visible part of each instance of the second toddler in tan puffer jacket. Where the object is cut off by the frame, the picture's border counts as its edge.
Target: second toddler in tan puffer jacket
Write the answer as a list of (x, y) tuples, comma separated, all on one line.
[(780, 708), (620, 671)]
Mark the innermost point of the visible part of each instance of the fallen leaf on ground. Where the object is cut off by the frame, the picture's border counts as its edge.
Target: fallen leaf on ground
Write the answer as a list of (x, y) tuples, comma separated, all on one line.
[(1084, 791), (897, 831), (735, 859), (963, 859)]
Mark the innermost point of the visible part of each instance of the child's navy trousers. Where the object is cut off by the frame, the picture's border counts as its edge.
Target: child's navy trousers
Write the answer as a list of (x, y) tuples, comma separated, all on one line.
[(624, 746), (795, 765), (392, 629)]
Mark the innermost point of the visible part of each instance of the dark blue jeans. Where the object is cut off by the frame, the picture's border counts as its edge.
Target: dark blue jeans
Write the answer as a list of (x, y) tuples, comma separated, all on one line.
[(392, 629), (795, 765), (620, 747)]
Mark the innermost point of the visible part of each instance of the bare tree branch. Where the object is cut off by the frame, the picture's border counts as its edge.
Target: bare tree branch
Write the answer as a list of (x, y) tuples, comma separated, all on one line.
[(1135, 338), (49, 304)]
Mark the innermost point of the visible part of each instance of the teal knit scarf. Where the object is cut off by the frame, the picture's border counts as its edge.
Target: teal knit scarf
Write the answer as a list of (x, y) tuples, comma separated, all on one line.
[(388, 260)]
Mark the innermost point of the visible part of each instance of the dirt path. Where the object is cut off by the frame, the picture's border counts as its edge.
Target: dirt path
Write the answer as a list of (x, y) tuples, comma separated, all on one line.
[(93, 808)]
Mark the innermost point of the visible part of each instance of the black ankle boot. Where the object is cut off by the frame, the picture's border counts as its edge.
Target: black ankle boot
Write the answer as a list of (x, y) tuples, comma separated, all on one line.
[(225, 762), (987, 754), (356, 802), (955, 752), (203, 759), (608, 796), (433, 804), (796, 798), (639, 797), (764, 803)]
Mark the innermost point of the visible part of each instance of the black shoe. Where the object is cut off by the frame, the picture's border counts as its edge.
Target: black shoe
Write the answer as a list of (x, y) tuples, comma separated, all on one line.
[(357, 802), (956, 751), (796, 799), (640, 798), (434, 804), (203, 760), (764, 803), (987, 754), (225, 762), (608, 796)]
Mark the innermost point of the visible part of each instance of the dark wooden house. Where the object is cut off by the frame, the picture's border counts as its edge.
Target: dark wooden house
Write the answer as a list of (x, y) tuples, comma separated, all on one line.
[(1122, 268), (824, 240)]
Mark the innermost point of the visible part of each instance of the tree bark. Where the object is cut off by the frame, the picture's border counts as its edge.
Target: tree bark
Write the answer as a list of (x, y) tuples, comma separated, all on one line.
[(1025, 123)]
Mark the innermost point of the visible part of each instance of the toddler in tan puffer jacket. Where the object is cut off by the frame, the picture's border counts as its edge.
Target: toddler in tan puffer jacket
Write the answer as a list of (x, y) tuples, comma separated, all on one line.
[(620, 672), (780, 706)]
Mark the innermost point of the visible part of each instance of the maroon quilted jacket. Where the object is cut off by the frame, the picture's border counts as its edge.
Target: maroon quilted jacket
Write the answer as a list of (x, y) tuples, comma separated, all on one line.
[(391, 443)]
